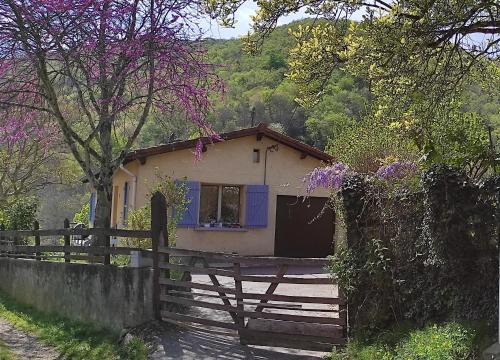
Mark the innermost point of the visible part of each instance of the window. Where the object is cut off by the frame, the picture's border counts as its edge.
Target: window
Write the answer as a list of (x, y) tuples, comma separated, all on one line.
[(209, 203), (220, 204), (256, 155)]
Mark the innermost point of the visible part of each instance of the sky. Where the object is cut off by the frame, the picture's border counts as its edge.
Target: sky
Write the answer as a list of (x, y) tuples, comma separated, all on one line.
[(243, 23)]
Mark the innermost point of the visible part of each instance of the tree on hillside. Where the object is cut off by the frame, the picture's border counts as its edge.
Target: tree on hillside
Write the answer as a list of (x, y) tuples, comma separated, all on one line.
[(416, 55), (407, 48), (98, 67)]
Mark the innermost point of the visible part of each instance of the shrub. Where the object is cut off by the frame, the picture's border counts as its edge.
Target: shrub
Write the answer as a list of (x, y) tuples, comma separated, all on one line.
[(21, 214), (140, 218), (83, 215), (451, 341), (425, 255)]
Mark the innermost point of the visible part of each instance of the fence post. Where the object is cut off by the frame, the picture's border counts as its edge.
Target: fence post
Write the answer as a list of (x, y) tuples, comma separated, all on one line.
[(107, 245), (239, 295), (67, 255), (14, 241), (159, 237), (343, 313), (15, 238), (2, 239), (36, 226)]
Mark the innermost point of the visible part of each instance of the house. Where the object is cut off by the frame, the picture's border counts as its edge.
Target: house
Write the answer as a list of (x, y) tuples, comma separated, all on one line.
[(245, 194)]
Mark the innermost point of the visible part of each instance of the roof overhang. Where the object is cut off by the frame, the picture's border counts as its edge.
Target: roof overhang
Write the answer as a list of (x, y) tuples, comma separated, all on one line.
[(259, 131)]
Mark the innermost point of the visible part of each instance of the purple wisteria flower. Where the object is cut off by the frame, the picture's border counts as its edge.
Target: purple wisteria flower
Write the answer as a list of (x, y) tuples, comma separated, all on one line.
[(396, 170), (330, 177)]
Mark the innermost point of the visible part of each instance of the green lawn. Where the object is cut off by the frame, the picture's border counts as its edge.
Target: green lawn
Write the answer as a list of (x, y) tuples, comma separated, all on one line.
[(73, 339), (5, 353)]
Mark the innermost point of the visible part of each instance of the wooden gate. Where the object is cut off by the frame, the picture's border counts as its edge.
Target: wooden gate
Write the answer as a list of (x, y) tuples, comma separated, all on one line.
[(269, 301)]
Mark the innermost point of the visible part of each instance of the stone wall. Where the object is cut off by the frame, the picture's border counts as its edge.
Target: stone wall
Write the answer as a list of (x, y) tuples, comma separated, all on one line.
[(112, 297)]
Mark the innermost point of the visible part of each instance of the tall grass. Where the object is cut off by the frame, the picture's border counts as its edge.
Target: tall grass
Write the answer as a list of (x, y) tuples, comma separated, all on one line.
[(5, 353)]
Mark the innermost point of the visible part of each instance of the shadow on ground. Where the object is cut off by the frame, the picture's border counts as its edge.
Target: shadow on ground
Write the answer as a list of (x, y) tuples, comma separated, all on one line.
[(187, 344)]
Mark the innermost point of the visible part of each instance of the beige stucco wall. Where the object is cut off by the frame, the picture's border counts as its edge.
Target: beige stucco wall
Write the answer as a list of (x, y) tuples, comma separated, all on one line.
[(229, 162)]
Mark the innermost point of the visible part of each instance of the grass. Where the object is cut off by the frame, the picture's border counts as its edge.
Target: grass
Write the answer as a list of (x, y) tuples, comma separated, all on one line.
[(72, 339), (5, 353), (449, 341)]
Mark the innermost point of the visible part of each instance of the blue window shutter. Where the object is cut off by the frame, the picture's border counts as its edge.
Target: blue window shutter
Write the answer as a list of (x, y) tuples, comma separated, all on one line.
[(190, 217), (92, 208), (257, 204)]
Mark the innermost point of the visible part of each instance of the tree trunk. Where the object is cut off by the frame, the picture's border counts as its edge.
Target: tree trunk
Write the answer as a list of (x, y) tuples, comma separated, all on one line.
[(102, 212)]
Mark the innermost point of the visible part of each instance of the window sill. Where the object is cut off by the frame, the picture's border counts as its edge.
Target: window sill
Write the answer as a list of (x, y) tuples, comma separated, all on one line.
[(200, 228)]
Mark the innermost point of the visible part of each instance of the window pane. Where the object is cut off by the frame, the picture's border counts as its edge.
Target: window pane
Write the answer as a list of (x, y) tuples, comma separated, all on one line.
[(230, 210), (209, 199)]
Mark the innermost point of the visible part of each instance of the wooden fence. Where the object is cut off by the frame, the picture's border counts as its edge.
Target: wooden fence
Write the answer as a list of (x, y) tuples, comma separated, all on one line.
[(311, 314), (9, 244)]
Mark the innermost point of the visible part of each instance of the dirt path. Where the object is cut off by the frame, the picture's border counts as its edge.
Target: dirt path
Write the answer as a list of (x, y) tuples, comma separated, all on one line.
[(24, 346)]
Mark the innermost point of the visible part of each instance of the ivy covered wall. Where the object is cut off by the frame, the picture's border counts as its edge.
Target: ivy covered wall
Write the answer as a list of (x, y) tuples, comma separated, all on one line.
[(424, 253)]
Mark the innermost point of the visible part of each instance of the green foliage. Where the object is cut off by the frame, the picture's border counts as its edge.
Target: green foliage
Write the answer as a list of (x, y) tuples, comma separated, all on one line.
[(257, 86), (365, 145), (73, 339), (20, 215), (5, 353), (409, 250), (140, 218), (450, 341), (83, 215), (461, 141), (342, 266), (319, 82)]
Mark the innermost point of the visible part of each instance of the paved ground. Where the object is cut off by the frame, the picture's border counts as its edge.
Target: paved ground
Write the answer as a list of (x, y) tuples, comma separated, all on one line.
[(184, 344), (201, 342), (24, 346)]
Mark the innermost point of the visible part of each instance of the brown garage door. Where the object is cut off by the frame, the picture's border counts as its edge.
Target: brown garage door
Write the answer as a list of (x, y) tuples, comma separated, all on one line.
[(300, 231)]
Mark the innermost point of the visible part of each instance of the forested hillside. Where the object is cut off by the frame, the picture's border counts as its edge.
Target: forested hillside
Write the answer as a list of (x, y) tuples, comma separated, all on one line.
[(257, 90)]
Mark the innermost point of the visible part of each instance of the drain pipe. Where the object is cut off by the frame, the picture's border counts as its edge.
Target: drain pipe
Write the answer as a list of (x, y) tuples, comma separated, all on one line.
[(134, 182)]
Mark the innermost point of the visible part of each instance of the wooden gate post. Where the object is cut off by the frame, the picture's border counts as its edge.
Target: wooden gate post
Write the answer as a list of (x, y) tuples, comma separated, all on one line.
[(2, 239), (159, 239), (36, 226), (239, 295), (67, 255), (343, 313)]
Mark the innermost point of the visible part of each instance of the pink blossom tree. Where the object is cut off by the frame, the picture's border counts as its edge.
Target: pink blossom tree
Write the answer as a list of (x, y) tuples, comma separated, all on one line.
[(24, 153), (95, 66)]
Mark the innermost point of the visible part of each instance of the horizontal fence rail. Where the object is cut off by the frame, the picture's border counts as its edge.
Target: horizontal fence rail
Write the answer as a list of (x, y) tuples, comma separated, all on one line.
[(78, 232), (10, 247), (244, 260)]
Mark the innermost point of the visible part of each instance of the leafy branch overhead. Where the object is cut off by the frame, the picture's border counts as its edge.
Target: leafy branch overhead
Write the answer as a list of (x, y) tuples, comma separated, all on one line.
[(407, 48)]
